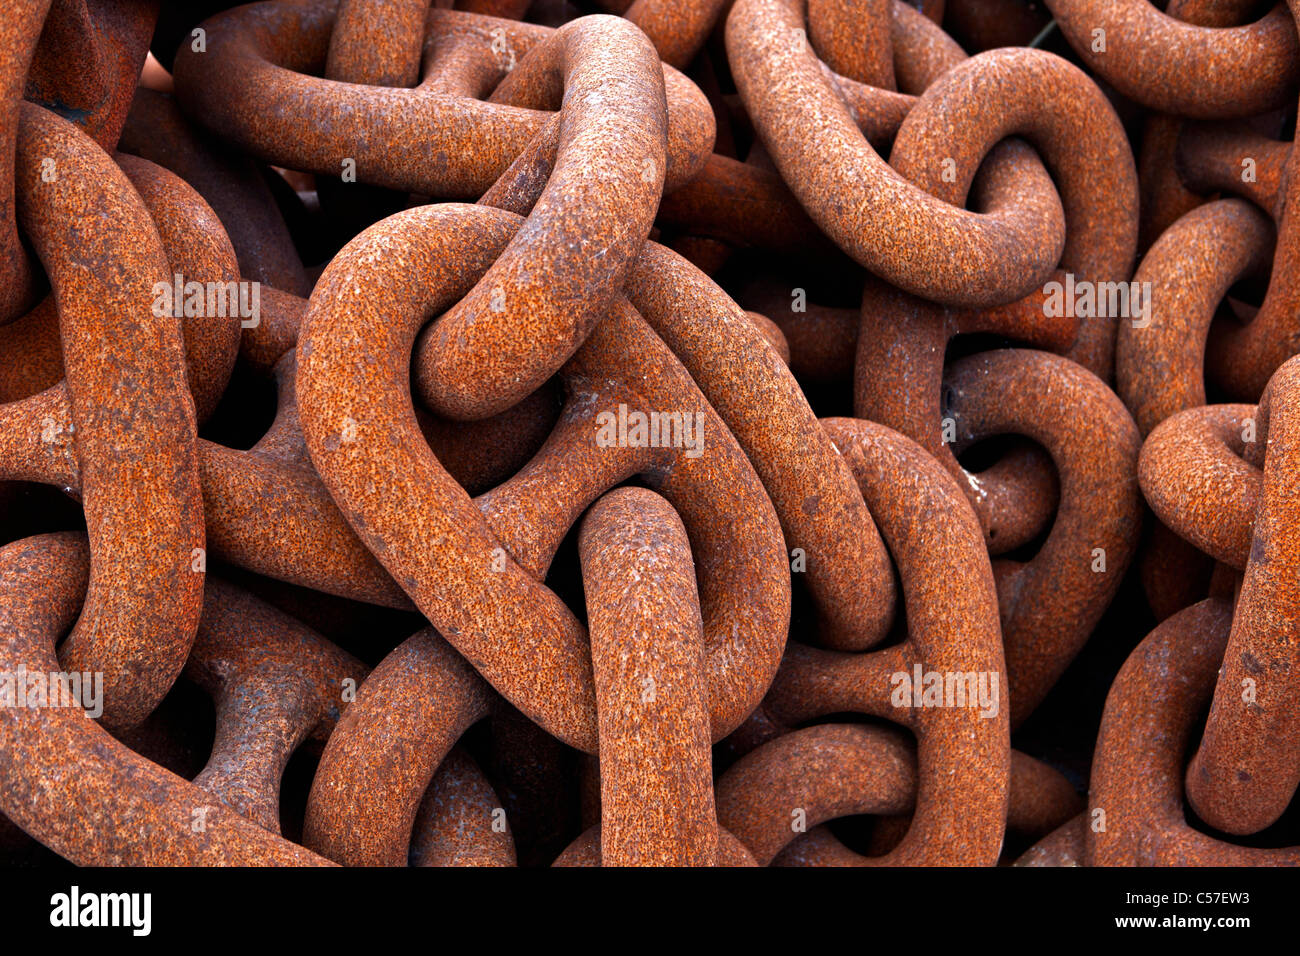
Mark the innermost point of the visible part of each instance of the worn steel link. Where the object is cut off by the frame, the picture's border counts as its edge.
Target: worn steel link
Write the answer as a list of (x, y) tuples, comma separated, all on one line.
[(353, 380), (61, 770), (1196, 451), (990, 258), (952, 628), (1180, 68), (649, 433), (840, 769), (1248, 765), (1137, 775), (1050, 604), (131, 412), (1160, 360)]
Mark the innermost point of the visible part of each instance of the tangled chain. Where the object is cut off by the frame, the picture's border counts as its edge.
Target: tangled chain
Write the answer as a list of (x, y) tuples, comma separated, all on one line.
[(676, 432)]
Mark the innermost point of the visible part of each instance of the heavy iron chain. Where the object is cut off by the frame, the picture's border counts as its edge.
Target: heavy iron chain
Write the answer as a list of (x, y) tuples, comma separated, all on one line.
[(647, 433)]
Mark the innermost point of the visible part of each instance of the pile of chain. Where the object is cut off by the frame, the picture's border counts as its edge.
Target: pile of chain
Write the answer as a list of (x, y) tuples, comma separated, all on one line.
[(677, 432)]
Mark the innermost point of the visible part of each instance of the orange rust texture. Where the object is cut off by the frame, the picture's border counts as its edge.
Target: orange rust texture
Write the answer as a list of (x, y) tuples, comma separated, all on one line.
[(661, 437)]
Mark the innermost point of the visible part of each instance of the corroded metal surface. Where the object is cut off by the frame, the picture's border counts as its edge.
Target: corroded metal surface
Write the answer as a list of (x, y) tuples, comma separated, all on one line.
[(131, 412), (1246, 770), (61, 769), (647, 651), (1180, 68), (1137, 780), (541, 451), (1160, 365)]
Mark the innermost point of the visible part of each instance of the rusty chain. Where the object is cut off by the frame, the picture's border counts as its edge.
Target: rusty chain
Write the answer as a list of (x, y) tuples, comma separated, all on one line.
[(698, 433)]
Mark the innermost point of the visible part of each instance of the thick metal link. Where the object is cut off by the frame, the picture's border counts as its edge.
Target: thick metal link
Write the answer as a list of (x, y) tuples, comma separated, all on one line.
[(569, 466)]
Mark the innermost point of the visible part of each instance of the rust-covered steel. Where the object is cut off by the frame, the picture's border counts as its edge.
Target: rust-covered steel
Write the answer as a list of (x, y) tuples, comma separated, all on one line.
[(1246, 770), (695, 433)]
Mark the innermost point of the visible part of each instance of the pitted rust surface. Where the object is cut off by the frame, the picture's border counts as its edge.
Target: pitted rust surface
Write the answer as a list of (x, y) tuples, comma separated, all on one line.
[(1062, 847), (1160, 360), (158, 131), (1061, 112), (952, 628), (255, 86), (1177, 67), (62, 770), (677, 28), (1247, 768), (1040, 798), (274, 683), (263, 512), (898, 382), (461, 821), (986, 259), (198, 249), (377, 42), (20, 28), (444, 552), (1170, 189), (568, 467), (1050, 604), (1197, 481), (1242, 358), (1213, 157), (107, 41), (839, 769), (854, 769), (853, 38), (506, 337), (586, 850), (655, 766), (379, 761), (1137, 778), (809, 484), (131, 410)]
